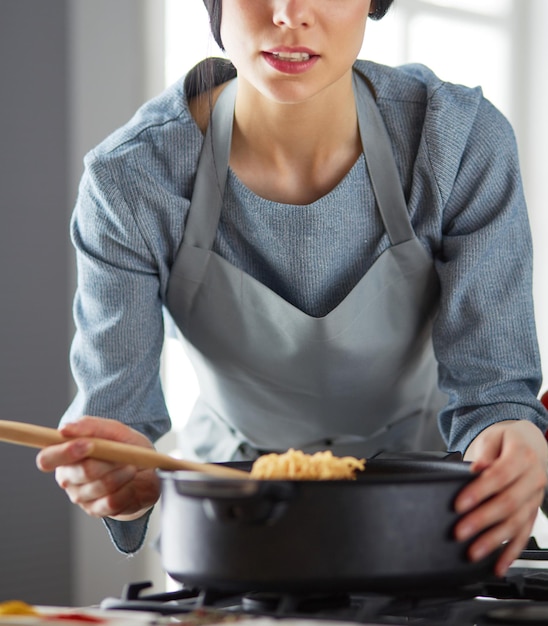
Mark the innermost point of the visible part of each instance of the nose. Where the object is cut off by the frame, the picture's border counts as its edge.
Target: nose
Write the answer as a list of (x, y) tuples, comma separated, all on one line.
[(293, 13)]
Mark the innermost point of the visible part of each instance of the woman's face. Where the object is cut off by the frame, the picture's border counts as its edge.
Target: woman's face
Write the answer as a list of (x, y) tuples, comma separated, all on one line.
[(290, 50)]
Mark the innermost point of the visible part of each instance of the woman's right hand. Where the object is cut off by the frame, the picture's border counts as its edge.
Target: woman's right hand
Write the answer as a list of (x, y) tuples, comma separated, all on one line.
[(100, 488)]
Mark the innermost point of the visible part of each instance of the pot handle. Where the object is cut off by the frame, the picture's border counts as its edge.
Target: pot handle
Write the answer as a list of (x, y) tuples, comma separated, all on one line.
[(240, 502), (203, 487)]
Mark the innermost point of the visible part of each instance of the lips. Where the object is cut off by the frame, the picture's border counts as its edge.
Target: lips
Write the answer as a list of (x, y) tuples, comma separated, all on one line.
[(292, 56), (291, 60)]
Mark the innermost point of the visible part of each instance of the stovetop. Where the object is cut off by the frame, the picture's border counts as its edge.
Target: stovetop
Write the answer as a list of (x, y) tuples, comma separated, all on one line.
[(521, 597)]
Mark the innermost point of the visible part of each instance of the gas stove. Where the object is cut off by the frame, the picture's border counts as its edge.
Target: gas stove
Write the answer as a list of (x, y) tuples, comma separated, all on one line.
[(521, 597)]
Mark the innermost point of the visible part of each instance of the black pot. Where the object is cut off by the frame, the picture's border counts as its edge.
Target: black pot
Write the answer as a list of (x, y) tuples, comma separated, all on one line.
[(390, 530)]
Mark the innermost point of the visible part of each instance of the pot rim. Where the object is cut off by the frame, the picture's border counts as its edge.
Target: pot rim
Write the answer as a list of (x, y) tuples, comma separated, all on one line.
[(385, 471)]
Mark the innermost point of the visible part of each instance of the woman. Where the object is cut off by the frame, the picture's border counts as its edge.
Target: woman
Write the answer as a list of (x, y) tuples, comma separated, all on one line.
[(355, 260)]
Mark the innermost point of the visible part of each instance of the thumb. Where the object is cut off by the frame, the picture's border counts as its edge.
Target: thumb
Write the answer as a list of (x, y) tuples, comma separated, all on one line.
[(485, 449)]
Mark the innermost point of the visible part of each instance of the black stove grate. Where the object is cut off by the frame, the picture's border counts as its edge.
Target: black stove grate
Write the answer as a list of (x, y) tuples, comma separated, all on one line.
[(485, 603)]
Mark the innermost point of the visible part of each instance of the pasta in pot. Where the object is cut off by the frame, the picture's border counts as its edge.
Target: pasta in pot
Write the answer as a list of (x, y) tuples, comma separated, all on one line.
[(296, 465)]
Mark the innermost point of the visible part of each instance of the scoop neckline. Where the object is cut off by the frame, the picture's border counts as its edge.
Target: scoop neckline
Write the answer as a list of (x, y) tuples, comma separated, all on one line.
[(239, 184)]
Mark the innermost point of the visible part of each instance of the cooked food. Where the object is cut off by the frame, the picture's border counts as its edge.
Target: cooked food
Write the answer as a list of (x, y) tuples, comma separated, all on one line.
[(297, 465), (17, 607)]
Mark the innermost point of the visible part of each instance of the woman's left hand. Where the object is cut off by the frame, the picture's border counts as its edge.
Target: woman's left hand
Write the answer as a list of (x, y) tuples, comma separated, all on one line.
[(502, 503)]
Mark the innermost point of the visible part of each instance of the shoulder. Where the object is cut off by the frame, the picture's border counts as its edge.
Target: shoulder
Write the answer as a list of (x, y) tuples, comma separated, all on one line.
[(447, 108), (165, 135), (446, 122), (137, 183), (161, 135), (166, 112), (414, 86)]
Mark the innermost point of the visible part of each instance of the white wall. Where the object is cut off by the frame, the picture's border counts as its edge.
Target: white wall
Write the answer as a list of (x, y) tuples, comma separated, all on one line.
[(535, 160)]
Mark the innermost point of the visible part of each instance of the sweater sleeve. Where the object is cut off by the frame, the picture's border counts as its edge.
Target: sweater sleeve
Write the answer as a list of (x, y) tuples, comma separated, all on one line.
[(128, 537), (115, 355), (485, 336)]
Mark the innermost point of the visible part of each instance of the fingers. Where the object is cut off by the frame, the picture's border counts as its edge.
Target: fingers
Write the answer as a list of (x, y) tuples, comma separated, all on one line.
[(511, 479), (87, 475), (89, 426), (505, 453), (503, 514), (100, 488), (500, 505), (125, 498), (514, 547), (69, 453), (506, 519), (77, 449), (106, 490)]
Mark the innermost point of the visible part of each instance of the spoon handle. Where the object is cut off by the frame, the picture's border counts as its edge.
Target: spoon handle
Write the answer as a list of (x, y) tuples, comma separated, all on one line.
[(113, 451)]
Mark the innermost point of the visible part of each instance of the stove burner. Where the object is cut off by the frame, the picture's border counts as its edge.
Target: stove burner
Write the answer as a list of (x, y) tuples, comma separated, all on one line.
[(284, 603)]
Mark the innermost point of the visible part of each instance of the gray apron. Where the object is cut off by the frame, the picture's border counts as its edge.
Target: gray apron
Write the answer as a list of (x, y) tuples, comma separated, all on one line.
[(360, 380)]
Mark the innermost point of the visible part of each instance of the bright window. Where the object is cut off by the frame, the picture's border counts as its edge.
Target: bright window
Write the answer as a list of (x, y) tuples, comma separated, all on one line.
[(461, 41), (188, 38)]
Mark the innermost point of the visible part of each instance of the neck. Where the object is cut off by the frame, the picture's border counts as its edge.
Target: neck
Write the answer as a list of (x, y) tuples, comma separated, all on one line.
[(308, 130), (295, 153)]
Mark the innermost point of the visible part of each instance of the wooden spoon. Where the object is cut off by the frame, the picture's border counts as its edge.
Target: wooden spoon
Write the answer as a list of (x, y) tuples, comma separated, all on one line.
[(113, 451)]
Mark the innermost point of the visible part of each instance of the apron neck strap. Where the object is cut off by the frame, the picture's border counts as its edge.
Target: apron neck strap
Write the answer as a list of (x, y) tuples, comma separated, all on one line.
[(383, 172), (211, 173)]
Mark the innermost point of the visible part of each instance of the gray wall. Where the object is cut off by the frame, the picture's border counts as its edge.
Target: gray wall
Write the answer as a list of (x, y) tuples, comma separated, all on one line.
[(70, 72), (34, 380)]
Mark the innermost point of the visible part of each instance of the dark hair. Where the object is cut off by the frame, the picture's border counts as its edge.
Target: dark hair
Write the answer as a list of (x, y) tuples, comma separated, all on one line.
[(378, 10)]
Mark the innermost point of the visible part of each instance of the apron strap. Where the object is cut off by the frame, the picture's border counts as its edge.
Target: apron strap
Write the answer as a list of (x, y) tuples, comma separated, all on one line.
[(381, 164), (209, 186), (201, 226)]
